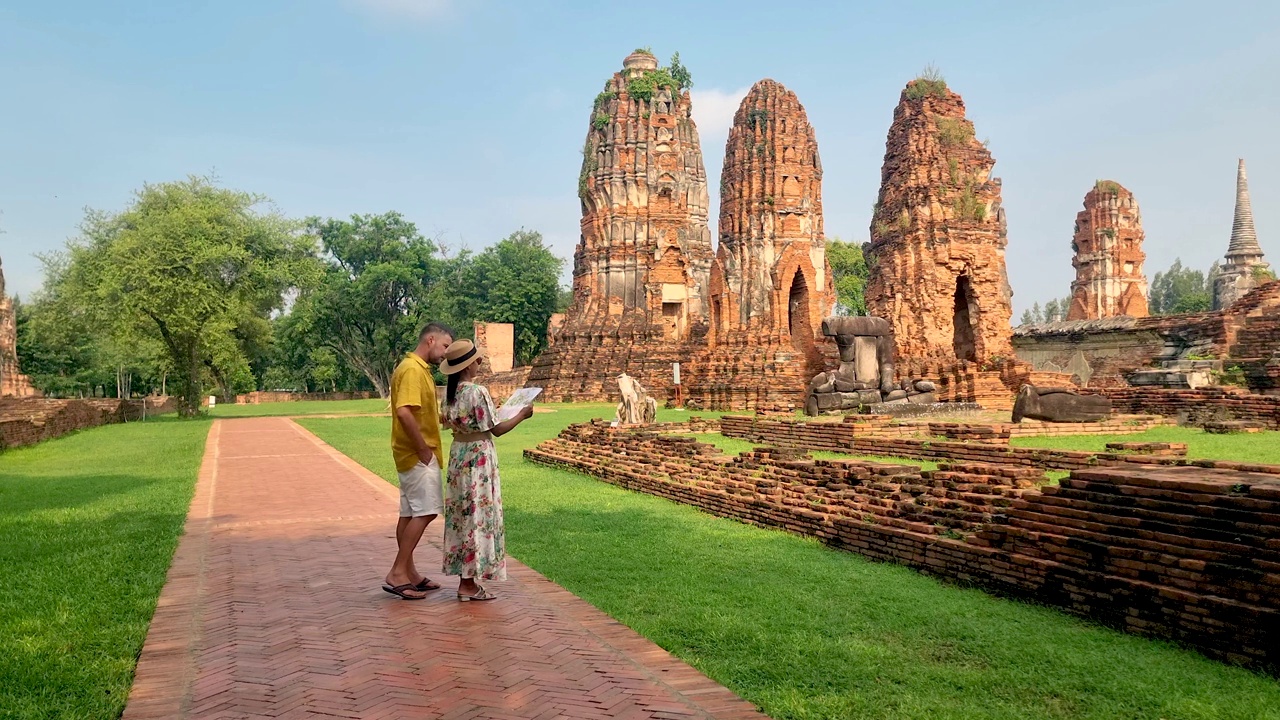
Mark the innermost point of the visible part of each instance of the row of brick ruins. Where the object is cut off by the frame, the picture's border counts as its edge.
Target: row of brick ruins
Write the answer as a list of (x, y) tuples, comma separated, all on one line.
[(744, 321), (1138, 537)]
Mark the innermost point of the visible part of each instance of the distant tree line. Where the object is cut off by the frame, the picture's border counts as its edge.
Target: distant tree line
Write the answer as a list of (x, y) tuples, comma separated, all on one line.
[(1053, 311), (197, 289)]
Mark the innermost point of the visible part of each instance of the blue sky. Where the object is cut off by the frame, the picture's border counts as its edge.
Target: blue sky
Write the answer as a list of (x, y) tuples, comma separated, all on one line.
[(468, 115)]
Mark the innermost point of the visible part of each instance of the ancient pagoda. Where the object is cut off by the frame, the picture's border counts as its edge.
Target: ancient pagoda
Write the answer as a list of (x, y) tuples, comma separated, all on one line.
[(936, 257), (1245, 267), (770, 283), (642, 264), (1108, 257), (12, 381)]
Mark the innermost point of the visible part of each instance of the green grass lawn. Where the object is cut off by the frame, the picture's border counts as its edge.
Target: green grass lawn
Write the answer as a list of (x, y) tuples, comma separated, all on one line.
[(809, 632), (307, 407), (88, 525), (1263, 447)]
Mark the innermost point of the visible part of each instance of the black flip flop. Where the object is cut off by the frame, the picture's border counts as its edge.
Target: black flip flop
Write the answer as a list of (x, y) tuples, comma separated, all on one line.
[(399, 591), (426, 585)]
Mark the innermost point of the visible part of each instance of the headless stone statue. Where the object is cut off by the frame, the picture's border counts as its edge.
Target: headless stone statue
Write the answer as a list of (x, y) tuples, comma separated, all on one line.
[(866, 372), (1059, 405), (637, 407)]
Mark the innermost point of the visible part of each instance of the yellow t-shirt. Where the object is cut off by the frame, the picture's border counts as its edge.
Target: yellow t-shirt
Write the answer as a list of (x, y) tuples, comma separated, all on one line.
[(413, 386)]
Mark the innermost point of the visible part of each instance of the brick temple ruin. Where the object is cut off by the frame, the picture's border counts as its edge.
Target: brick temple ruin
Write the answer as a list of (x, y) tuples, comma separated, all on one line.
[(642, 266), (12, 382), (1245, 267), (770, 283), (1209, 367), (1107, 256), (936, 258), (744, 323)]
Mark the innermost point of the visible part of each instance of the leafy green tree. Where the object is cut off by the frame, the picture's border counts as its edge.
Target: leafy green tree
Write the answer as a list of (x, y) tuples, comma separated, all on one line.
[(517, 281), (1180, 290), (848, 276), (192, 266), (60, 347), (382, 282)]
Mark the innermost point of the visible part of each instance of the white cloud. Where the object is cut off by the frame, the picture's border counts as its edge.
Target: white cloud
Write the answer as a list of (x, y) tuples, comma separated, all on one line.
[(414, 10), (713, 111)]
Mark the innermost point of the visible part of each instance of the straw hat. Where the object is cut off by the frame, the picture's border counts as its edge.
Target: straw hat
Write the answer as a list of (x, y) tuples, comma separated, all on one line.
[(459, 355)]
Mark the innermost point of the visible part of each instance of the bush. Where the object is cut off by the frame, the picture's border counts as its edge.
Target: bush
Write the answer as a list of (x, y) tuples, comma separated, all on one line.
[(600, 121), (953, 132), (929, 82), (968, 207), (1107, 187)]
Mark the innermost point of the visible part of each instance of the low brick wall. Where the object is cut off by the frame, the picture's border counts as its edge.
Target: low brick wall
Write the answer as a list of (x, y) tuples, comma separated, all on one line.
[(858, 438), (27, 421), (270, 396), (1197, 406), (1186, 553)]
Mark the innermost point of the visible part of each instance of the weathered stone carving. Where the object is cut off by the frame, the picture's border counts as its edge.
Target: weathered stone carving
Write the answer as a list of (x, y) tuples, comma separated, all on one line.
[(637, 407), (866, 374), (641, 268), (936, 257), (1059, 405), (12, 382), (1108, 256), (770, 283), (1245, 267)]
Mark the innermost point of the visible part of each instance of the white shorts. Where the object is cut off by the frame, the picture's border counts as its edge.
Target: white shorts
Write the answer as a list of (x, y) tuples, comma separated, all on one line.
[(421, 492)]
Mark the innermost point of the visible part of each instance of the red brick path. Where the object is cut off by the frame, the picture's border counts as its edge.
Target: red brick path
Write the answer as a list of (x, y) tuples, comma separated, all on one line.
[(273, 608)]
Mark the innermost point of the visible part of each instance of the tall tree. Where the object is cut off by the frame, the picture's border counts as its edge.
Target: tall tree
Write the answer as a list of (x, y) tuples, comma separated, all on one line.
[(848, 276), (516, 280), (1180, 290), (192, 266), (382, 282)]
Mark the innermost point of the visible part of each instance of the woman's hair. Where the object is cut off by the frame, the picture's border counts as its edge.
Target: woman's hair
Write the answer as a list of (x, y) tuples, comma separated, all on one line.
[(451, 388)]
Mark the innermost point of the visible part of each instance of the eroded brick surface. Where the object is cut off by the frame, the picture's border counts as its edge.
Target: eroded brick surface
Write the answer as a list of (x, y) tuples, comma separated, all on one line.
[(1107, 256)]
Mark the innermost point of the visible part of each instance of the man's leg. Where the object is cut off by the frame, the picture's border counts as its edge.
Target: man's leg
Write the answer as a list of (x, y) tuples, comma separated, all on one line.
[(408, 535)]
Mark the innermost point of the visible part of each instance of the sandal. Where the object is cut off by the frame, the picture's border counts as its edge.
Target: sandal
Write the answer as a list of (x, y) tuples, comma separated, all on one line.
[(426, 585), (400, 591), (479, 596)]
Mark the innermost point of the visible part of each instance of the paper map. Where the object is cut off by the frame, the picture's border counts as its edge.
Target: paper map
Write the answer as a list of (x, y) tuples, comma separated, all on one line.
[(518, 399)]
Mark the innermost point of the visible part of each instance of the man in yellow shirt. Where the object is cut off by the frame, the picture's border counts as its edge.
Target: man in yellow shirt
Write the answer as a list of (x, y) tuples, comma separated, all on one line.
[(415, 444)]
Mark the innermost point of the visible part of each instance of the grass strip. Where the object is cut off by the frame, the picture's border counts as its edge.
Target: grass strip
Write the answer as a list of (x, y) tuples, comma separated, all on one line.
[(88, 526)]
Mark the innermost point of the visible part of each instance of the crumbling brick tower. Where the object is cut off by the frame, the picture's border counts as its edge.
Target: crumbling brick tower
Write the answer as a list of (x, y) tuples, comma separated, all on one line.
[(12, 382), (1108, 256), (936, 256), (770, 283), (640, 271)]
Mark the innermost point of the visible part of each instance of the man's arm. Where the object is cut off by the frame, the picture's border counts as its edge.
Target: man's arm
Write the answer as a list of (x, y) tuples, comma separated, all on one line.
[(410, 422)]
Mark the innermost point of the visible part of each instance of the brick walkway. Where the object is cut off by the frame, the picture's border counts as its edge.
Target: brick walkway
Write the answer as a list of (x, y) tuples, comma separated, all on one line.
[(273, 608)]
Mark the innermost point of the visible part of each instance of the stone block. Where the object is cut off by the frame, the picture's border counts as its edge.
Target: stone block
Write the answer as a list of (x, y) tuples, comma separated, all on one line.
[(828, 401), (867, 365), (849, 400), (925, 385), (869, 397), (923, 399), (895, 395), (859, 326)]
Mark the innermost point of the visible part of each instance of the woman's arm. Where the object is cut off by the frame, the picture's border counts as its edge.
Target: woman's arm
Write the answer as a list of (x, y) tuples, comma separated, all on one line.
[(507, 426)]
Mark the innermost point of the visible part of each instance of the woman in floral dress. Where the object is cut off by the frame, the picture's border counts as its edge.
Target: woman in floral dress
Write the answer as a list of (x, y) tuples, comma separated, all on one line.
[(474, 540)]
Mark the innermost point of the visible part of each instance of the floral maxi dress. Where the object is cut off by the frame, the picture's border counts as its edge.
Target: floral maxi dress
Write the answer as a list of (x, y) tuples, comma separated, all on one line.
[(474, 538)]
